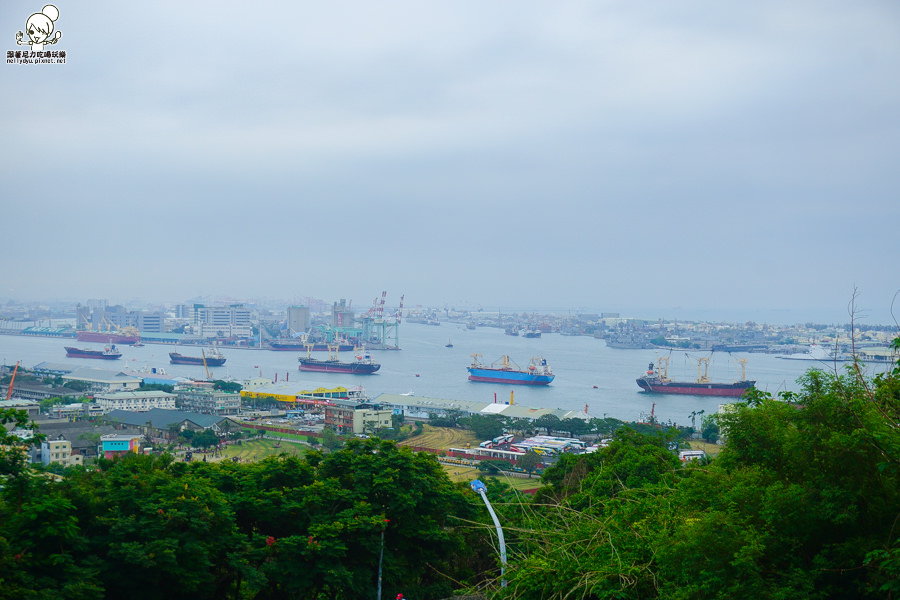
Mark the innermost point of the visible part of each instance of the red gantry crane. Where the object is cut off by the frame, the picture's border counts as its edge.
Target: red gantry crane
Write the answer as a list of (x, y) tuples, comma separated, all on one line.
[(12, 381)]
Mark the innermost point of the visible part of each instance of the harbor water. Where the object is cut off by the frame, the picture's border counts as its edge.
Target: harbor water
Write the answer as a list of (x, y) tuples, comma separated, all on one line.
[(589, 375)]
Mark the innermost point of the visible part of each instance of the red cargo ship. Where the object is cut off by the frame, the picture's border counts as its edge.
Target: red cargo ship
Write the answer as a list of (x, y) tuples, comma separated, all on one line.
[(107, 338), (658, 382)]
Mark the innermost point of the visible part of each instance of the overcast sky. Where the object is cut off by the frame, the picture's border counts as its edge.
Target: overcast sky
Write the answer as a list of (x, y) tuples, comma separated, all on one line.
[(659, 156)]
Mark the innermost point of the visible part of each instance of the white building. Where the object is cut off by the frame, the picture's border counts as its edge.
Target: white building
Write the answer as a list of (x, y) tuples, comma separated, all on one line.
[(135, 401), (210, 402), (59, 451), (76, 410), (101, 380), (220, 321)]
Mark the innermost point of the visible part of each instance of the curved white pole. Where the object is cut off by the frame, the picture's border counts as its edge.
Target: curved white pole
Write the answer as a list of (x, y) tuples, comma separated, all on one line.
[(481, 489)]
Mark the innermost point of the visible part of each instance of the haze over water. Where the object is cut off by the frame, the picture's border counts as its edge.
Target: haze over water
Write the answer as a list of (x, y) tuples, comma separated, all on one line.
[(587, 371)]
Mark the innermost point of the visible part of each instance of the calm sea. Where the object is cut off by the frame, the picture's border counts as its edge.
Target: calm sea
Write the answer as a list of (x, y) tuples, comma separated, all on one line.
[(588, 373)]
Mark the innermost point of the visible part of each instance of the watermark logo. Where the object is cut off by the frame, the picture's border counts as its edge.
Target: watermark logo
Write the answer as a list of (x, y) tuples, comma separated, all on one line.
[(40, 31)]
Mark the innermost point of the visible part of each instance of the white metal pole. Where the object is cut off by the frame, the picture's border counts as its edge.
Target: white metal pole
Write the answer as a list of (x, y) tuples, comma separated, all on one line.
[(481, 489)]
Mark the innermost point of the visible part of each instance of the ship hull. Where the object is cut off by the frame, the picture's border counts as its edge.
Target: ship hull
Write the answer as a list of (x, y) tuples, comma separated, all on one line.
[(180, 359), (334, 366), (506, 376), (688, 388), (81, 353), (317, 347), (106, 338)]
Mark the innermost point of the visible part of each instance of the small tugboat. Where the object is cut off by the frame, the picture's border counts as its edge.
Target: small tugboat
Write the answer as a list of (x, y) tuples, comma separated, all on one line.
[(108, 353), (506, 371)]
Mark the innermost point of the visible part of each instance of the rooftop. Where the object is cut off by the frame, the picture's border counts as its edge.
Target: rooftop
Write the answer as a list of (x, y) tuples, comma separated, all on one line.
[(515, 411), (100, 375), (161, 418)]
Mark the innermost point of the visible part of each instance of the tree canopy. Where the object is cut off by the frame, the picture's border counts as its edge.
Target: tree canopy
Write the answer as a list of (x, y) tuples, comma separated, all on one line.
[(803, 501), (147, 527)]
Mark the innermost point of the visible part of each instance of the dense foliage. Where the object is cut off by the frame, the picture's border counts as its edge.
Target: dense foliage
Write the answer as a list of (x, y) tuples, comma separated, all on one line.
[(146, 527), (803, 502)]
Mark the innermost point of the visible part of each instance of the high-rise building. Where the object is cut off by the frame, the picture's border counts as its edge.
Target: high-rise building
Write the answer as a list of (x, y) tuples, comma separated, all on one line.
[(341, 315), (221, 321), (150, 322), (298, 318)]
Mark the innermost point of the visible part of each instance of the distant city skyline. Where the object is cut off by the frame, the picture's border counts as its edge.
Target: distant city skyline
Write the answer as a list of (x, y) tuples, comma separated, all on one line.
[(659, 159), (759, 315)]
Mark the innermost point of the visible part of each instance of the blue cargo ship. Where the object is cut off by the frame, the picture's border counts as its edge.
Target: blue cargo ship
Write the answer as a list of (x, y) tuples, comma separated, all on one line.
[(506, 371)]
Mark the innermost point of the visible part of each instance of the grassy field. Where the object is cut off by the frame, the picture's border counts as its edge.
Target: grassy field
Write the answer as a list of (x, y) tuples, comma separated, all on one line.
[(466, 474), (442, 438), (710, 449), (253, 450)]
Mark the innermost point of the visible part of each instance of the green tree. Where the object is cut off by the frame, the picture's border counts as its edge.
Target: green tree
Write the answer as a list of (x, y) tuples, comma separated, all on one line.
[(159, 387), (590, 531), (604, 427), (397, 421), (205, 439), (573, 426), (493, 466), (78, 386), (13, 458), (450, 419), (171, 533), (357, 488), (48, 403), (548, 422), (530, 462), (331, 440), (661, 341), (486, 427), (802, 502), (227, 386), (41, 545), (710, 429)]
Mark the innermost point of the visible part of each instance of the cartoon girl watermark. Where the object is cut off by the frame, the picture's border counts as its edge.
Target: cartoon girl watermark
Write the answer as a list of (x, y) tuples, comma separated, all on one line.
[(40, 29)]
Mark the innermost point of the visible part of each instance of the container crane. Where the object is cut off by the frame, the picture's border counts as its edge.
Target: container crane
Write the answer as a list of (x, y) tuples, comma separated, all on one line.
[(371, 311), (380, 312)]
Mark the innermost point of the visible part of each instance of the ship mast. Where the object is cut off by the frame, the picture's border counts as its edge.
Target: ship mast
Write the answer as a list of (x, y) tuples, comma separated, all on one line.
[(702, 370), (663, 367), (743, 363)]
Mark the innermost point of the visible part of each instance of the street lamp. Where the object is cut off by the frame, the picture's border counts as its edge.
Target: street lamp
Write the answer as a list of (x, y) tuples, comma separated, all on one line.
[(481, 489)]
